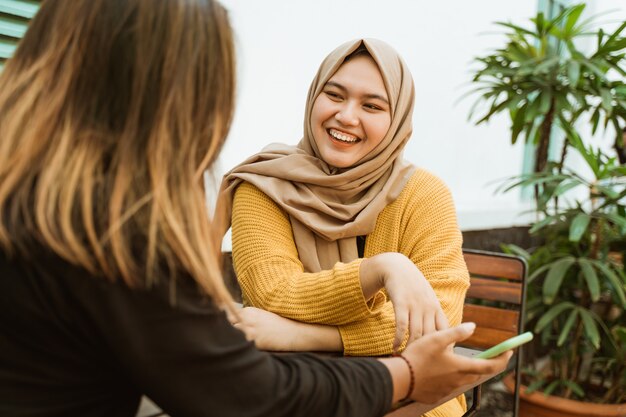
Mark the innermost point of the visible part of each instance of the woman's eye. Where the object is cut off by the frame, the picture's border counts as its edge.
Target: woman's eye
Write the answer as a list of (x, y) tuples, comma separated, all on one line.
[(332, 95), (373, 107)]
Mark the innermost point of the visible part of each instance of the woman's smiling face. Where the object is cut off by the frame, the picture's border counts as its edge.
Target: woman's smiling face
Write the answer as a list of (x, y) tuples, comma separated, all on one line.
[(351, 116)]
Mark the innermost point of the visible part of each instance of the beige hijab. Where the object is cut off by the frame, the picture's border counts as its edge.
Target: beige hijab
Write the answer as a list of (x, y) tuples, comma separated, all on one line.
[(329, 207)]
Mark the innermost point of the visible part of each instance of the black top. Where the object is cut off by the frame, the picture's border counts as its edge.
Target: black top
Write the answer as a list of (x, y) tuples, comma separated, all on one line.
[(360, 245), (75, 345)]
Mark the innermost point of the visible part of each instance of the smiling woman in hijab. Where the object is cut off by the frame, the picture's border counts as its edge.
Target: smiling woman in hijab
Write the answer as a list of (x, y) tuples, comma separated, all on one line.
[(339, 244)]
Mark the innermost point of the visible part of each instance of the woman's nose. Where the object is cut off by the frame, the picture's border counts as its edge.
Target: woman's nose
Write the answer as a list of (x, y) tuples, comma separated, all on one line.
[(347, 115)]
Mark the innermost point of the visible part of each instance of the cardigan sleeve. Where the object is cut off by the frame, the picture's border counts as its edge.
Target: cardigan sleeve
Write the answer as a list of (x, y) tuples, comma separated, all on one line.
[(272, 277), (424, 228), (433, 241)]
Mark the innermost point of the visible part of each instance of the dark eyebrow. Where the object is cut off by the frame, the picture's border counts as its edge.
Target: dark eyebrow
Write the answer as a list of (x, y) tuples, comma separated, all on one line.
[(370, 96)]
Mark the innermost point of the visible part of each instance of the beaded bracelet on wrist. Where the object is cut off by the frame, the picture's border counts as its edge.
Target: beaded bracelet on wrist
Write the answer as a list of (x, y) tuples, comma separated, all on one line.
[(412, 380)]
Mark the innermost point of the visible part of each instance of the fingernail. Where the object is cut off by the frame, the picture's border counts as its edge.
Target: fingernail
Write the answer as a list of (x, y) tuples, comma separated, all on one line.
[(469, 326)]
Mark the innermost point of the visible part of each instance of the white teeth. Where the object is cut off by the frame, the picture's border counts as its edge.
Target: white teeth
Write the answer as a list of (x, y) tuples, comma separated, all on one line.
[(342, 136)]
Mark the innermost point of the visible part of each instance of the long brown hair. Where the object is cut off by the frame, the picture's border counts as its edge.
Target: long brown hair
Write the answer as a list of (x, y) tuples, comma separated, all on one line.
[(110, 113)]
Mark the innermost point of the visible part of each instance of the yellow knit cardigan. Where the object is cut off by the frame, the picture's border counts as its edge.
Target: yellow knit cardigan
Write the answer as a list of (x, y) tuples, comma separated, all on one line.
[(421, 224)]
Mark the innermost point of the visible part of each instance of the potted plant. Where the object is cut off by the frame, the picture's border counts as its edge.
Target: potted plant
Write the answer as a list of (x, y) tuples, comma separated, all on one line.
[(577, 285)]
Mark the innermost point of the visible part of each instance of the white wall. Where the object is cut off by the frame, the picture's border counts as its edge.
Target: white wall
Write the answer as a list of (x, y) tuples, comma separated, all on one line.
[(281, 43)]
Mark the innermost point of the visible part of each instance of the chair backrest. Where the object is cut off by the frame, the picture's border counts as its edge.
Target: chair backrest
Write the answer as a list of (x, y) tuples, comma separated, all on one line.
[(495, 299), (495, 302)]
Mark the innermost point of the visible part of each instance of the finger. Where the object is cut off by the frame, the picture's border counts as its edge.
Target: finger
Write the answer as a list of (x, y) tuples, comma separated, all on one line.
[(441, 320), (232, 317), (499, 363), (487, 366), (452, 335), (402, 324), (240, 326), (416, 324), (504, 358), (429, 324)]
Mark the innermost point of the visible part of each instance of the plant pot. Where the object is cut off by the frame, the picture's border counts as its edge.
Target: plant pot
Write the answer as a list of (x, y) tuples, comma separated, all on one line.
[(538, 404)]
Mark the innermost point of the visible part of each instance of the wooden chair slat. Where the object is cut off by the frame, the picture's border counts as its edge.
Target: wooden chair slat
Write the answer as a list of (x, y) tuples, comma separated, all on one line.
[(485, 338), (493, 325), (491, 317), (494, 266), (493, 290)]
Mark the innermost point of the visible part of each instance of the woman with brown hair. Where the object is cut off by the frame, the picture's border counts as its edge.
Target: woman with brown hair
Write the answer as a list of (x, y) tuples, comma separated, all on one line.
[(110, 113)]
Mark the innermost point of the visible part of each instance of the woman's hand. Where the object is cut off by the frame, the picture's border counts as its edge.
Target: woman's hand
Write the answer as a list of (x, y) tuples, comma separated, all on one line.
[(269, 331), (416, 306), (438, 371), (272, 332)]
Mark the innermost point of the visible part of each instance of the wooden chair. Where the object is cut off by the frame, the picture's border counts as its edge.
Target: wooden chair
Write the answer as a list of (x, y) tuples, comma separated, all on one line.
[(495, 302)]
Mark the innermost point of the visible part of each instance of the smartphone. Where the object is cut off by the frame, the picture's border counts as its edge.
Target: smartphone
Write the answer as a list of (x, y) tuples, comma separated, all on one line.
[(508, 344)]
